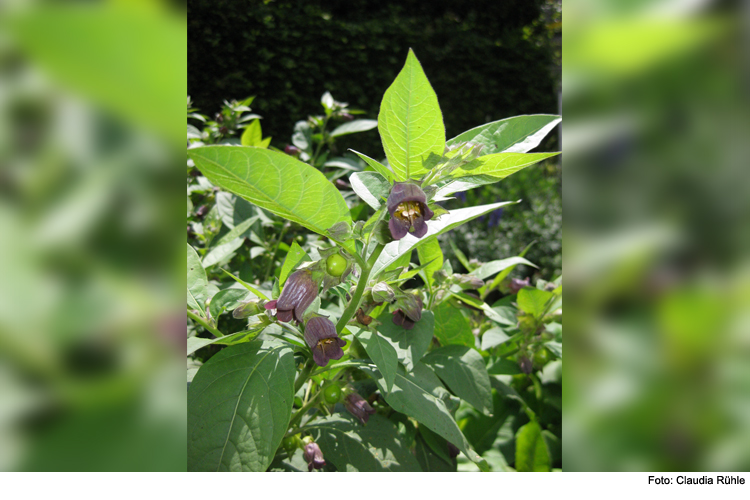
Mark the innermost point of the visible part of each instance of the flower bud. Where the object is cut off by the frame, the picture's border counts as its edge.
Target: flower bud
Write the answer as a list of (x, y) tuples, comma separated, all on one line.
[(381, 292), (409, 311), (468, 281), (291, 150), (359, 407), (516, 285), (247, 309), (299, 292), (314, 457)]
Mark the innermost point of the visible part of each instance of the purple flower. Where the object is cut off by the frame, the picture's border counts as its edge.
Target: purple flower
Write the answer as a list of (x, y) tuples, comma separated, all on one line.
[(321, 338), (291, 150), (453, 450), (298, 294), (409, 312), (407, 205), (359, 407), (516, 285), (313, 457)]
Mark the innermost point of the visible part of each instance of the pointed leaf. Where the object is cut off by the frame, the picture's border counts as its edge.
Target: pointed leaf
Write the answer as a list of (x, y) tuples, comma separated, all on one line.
[(531, 450), (381, 352), (430, 256), (276, 182), (414, 395), (294, 257), (501, 165), (445, 223), (517, 134), (353, 447), (227, 300), (252, 135), (493, 338), (196, 282), (451, 327), (239, 406), (533, 301), (463, 371), (488, 269), (371, 187), (410, 345), (379, 167), (410, 122), (354, 126)]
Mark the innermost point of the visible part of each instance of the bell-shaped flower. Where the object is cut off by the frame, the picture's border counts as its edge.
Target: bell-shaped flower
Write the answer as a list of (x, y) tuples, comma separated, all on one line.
[(409, 311), (516, 285), (313, 457), (407, 206), (299, 292), (359, 407), (321, 338)]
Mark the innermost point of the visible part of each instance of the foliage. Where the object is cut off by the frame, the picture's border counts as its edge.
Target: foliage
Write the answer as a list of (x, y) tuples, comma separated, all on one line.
[(288, 263)]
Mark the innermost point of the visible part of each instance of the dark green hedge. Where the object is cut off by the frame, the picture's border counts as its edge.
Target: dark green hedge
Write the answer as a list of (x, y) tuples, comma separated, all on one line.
[(486, 59)]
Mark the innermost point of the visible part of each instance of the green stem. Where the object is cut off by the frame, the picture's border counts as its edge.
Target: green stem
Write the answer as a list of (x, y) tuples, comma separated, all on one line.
[(361, 285), (204, 324), (303, 374), (300, 413), (276, 249), (322, 141), (345, 364)]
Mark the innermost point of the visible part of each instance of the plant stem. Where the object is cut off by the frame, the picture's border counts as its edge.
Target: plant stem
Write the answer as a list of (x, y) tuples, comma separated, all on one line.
[(361, 285), (345, 364), (300, 413), (322, 141), (204, 324), (303, 374), (276, 249)]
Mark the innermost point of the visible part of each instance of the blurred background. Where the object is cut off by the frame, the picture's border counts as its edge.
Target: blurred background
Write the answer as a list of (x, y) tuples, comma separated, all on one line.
[(657, 235), (91, 241), (486, 60)]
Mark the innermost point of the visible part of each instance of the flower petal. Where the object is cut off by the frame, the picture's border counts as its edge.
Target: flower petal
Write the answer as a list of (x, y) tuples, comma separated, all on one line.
[(398, 228)]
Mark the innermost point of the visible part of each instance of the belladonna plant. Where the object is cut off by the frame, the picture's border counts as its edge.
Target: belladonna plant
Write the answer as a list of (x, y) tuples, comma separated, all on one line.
[(321, 338)]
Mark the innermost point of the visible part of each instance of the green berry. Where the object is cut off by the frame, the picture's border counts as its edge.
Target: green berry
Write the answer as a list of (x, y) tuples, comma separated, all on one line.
[(335, 265), (291, 443), (332, 394), (541, 357)]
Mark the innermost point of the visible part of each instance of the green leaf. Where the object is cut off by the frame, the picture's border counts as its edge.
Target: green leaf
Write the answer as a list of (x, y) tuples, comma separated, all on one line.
[(445, 223), (486, 270), (493, 338), (482, 431), (382, 354), (430, 461), (239, 406), (533, 301), (294, 257), (252, 135), (379, 167), (372, 187), (276, 182), (302, 136), (502, 366), (430, 256), (227, 300), (555, 348), (354, 126), (437, 443), (410, 122), (501, 165), (517, 134), (129, 61), (451, 327), (410, 345), (531, 450), (233, 210), (197, 282), (264, 143), (228, 243), (463, 371), (353, 447), (195, 343), (414, 395)]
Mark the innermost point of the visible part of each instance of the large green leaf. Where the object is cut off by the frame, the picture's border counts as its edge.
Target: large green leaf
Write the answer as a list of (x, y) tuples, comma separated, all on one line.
[(482, 431), (372, 187), (197, 282), (451, 327), (517, 134), (129, 60), (381, 352), (410, 345), (531, 450), (463, 371), (414, 395), (501, 165), (445, 223), (410, 122), (353, 447), (276, 182), (239, 406), (430, 461)]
